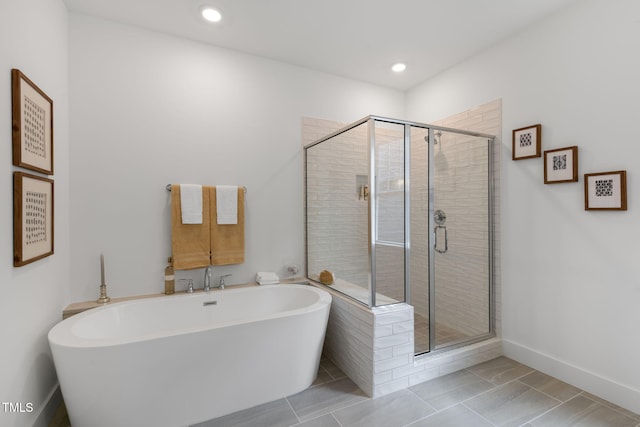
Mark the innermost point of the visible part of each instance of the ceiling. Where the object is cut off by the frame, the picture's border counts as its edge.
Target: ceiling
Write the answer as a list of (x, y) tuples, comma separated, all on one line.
[(358, 39)]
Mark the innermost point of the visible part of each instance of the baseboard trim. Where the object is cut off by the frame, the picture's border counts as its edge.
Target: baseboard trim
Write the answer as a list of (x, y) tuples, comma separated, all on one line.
[(605, 388), (49, 407)]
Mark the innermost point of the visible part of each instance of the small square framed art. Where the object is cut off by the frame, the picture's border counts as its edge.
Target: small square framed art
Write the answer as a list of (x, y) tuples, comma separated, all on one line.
[(527, 142), (561, 165), (605, 191)]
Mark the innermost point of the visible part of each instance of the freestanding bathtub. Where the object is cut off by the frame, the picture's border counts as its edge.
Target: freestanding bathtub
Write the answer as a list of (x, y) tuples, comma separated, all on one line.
[(179, 360)]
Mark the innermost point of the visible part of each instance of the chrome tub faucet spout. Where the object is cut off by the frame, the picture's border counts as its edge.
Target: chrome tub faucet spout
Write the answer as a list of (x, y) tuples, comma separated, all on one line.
[(207, 279)]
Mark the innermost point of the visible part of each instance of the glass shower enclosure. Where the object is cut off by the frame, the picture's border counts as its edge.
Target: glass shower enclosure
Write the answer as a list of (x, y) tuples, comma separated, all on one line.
[(401, 212)]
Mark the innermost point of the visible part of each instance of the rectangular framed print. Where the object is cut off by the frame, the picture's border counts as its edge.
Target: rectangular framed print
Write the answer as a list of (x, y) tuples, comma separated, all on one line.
[(526, 142), (32, 218), (32, 112), (561, 165), (605, 191)]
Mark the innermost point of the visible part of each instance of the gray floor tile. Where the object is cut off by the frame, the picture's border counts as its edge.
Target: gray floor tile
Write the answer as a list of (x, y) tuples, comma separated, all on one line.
[(511, 404), (324, 398), (393, 410), (583, 412), (551, 386), (273, 414), (455, 416), (323, 377), (450, 389), (331, 368), (613, 406), (323, 421), (500, 370)]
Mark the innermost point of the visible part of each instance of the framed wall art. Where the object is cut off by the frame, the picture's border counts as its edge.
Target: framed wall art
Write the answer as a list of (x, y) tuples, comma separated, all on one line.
[(605, 191), (32, 112), (32, 218), (526, 142), (561, 165)]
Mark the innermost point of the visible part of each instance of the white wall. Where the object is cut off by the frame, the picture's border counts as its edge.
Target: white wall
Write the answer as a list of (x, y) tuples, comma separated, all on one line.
[(33, 38), (571, 278), (148, 110)]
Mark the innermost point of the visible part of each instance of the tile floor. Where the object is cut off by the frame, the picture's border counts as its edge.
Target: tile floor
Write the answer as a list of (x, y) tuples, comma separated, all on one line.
[(500, 392)]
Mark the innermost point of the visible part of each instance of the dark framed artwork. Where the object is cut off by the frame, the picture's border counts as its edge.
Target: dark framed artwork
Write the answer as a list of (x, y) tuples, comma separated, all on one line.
[(605, 191), (32, 112), (561, 165), (32, 218), (527, 142)]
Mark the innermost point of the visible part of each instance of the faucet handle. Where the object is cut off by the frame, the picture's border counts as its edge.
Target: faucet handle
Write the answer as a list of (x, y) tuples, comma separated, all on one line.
[(189, 285), (222, 279)]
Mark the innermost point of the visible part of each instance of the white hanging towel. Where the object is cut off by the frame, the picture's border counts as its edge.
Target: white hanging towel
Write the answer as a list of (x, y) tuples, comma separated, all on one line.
[(191, 203), (227, 204)]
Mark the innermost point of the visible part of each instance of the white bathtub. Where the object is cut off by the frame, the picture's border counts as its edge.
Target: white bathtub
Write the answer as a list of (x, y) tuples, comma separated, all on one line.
[(173, 361)]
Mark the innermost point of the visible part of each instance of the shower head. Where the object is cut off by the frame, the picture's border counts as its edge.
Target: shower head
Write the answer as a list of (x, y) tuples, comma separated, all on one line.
[(436, 138)]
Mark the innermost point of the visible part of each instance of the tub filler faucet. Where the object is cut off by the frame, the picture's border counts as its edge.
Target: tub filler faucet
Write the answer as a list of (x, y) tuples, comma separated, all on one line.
[(207, 278)]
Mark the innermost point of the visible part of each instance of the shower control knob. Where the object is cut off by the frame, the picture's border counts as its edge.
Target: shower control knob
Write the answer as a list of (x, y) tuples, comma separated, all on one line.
[(293, 269)]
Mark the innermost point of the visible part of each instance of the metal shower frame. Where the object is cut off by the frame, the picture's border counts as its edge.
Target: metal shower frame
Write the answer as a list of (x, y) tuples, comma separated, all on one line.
[(371, 158)]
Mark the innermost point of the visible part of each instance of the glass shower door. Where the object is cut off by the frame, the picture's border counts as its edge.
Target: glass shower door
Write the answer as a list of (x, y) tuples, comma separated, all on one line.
[(460, 224)]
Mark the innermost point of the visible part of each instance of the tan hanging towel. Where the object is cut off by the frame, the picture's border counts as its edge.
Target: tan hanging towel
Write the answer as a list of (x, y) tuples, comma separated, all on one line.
[(227, 240), (190, 243)]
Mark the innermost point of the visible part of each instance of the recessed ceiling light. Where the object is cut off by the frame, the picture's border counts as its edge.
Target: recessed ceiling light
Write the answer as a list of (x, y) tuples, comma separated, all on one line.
[(210, 14), (399, 67)]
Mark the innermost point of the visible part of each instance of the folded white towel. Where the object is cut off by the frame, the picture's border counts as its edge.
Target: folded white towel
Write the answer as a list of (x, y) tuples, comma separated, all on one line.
[(265, 277), (191, 203), (227, 204)]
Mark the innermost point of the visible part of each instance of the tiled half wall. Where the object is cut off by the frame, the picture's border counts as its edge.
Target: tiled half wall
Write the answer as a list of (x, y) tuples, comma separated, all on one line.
[(375, 348)]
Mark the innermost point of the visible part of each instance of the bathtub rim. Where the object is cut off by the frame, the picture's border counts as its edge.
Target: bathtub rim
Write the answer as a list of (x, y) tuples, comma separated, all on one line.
[(61, 334)]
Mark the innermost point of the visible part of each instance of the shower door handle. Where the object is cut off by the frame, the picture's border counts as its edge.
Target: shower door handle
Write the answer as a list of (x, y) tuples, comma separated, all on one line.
[(435, 239)]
